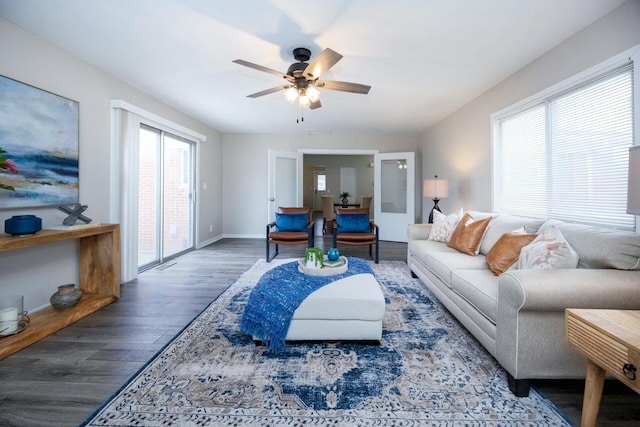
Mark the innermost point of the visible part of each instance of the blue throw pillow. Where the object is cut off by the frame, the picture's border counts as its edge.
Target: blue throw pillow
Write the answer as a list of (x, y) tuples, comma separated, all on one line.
[(291, 222), (353, 223)]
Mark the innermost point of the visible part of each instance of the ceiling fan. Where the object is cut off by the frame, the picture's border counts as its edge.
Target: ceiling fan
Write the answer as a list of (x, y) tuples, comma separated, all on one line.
[(303, 78)]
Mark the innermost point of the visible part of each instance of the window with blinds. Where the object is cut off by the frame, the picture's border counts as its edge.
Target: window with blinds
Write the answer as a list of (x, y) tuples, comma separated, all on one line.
[(566, 157)]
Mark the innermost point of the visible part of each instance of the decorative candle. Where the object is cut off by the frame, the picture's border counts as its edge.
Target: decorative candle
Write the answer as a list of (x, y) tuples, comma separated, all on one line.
[(8, 320)]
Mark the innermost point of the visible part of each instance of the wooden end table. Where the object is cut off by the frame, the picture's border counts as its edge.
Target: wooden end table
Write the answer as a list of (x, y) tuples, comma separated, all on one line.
[(611, 341)]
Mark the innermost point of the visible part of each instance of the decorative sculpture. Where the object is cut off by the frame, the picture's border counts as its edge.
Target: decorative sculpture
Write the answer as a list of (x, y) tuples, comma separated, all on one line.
[(75, 213)]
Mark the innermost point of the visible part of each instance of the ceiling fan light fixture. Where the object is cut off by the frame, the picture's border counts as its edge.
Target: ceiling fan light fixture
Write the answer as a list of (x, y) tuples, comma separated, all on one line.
[(312, 93), (302, 78), (305, 102), (291, 94)]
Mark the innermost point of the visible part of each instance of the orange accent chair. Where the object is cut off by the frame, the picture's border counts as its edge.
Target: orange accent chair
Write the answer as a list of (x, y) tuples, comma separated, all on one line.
[(353, 227), (293, 226)]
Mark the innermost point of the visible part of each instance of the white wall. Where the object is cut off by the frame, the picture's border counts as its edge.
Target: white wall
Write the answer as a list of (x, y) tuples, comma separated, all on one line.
[(36, 273), (245, 170), (459, 147)]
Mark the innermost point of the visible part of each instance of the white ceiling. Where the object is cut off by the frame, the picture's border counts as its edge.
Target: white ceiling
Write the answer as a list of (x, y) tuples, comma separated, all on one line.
[(423, 58)]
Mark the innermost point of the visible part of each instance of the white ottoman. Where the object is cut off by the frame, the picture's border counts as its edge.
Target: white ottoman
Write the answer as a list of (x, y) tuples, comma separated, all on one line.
[(347, 309)]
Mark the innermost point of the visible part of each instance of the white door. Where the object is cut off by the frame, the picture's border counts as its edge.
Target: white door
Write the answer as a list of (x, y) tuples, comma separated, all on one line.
[(285, 178), (394, 194)]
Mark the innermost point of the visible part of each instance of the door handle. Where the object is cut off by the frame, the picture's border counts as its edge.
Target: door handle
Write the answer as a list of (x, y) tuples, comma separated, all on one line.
[(272, 199)]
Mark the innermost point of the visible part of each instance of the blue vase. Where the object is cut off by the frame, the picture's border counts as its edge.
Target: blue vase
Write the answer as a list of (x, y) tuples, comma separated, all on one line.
[(333, 254), (22, 224)]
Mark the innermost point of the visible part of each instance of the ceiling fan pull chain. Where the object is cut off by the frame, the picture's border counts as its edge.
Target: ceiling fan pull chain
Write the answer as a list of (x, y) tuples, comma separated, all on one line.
[(301, 118)]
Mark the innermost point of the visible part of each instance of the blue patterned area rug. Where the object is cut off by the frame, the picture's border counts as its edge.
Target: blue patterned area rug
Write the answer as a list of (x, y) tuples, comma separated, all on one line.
[(427, 371)]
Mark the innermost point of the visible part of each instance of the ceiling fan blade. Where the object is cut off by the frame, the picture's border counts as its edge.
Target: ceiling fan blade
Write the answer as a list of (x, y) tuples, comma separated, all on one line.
[(268, 91), (343, 86), (321, 63), (259, 67), (315, 104)]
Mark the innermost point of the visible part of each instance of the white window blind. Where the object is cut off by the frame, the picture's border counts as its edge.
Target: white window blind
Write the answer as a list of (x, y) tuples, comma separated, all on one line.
[(567, 156)]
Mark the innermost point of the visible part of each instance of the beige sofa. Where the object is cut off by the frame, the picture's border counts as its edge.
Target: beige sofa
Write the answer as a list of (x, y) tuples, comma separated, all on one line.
[(519, 316)]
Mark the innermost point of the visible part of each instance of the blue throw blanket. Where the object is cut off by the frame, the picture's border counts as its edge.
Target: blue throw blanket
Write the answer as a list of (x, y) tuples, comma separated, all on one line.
[(278, 294)]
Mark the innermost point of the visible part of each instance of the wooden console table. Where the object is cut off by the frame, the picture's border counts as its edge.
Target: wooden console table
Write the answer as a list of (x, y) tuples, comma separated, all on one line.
[(611, 341), (99, 279)]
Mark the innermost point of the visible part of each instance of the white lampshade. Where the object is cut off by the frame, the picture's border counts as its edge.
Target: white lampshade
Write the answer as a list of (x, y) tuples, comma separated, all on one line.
[(633, 189), (436, 188)]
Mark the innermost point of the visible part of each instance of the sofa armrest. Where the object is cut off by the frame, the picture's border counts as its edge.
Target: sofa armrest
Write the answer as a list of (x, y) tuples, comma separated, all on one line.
[(555, 290), (418, 231), (530, 323)]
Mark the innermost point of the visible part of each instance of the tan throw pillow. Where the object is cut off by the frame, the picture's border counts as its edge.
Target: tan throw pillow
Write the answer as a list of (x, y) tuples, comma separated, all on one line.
[(549, 250), (443, 225), (505, 252), (468, 234)]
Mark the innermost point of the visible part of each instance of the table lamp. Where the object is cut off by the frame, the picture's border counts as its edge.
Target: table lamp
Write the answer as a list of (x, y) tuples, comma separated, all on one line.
[(435, 189)]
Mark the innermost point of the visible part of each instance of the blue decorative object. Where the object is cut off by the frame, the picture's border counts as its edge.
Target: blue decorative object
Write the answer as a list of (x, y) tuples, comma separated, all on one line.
[(333, 254), (22, 224), (291, 222), (278, 294), (353, 223)]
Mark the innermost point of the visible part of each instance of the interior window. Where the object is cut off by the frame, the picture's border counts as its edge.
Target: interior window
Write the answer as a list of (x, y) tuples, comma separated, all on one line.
[(566, 156)]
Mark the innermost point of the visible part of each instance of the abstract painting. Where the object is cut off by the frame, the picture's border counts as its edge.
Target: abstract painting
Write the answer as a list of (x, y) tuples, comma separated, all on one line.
[(39, 141)]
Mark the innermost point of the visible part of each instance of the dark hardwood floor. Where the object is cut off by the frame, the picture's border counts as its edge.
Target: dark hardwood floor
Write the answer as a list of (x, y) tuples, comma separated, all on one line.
[(64, 378)]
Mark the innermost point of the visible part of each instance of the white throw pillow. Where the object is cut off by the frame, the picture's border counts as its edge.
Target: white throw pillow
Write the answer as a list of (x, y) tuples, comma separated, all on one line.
[(549, 223), (443, 225), (549, 250)]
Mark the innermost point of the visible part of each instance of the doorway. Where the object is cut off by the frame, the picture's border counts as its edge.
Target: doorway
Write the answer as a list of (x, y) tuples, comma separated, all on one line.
[(399, 208), (352, 173), (165, 197)]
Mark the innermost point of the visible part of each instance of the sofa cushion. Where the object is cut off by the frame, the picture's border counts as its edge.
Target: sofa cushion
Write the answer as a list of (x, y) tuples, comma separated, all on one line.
[(420, 248), (506, 250), (479, 288), (468, 234), (505, 223), (443, 225), (442, 263), (547, 251), (602, 247)]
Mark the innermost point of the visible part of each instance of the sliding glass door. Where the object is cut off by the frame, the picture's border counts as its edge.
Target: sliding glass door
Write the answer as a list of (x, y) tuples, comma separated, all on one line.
[(165, 197)]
